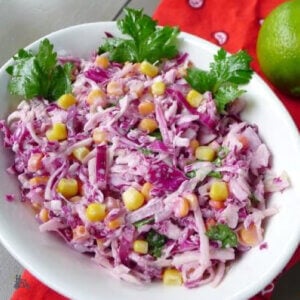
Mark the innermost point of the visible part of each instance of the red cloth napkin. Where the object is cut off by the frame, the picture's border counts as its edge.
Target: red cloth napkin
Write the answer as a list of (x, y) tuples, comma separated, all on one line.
[(232, 24)]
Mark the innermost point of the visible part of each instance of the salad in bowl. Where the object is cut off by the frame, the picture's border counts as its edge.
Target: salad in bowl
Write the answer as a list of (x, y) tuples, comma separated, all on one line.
[(140, 159)]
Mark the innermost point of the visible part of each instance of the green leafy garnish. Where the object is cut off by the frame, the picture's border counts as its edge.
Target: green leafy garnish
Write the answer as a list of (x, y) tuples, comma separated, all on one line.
[(34, 75), (190, 174), (146, 41), (222, 152), (254, 201), (143, 222), (215, 174), (146, 151), (156, 241), (223, 78), (157, 134), (222, 233)]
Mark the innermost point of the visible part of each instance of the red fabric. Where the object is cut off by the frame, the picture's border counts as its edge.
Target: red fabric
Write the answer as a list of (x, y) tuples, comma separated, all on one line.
[(214, 20), (240, 20)]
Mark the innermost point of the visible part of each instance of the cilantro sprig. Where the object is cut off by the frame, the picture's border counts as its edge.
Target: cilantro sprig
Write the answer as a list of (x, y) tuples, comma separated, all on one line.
[(156, 242), (222, 233), (34, 75), (145, 40), (223, 78)]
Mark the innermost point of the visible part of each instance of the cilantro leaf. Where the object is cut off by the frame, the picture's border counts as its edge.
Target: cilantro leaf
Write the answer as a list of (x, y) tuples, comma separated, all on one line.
[(157, 134), (145, 40), (25, 78), (226, 94), (146, 151), (61, 81), (143, 222), (222, 233), (38, 74), (190, 174), (156, 241), (223, 77), (215, 174)]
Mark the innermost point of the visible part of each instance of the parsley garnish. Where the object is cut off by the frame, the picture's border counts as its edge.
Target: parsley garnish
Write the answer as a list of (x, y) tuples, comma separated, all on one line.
[(215, 174), (223, 78), (156, 241), (146, 151), (191, 174), (157, 134), (146, 41), (39, 74), (143, 222), (222, 233)]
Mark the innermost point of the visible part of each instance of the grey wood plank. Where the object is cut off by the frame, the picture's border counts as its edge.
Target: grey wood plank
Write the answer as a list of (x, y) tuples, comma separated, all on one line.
[(148, 6), (22, 22)]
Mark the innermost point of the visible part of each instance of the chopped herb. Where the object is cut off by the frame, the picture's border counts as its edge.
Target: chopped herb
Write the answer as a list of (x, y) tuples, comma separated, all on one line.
[(190, 174), (146, 41), (223, 151), (218, 162), (223, 78), (156, 241), (215, 174), (222, 233), (157, 134), (146, 151), (254, 201), (143, 222), (34, 75), (110, 105)]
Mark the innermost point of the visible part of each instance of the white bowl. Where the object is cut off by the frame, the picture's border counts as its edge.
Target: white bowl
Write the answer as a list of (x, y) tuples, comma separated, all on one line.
[(76, 276)]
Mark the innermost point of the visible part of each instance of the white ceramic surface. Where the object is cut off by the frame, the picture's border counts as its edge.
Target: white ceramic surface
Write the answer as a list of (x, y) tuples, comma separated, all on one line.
[(74, 275)]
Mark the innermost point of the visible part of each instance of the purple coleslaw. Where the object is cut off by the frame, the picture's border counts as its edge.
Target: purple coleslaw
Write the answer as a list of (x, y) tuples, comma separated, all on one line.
[(133, 174)]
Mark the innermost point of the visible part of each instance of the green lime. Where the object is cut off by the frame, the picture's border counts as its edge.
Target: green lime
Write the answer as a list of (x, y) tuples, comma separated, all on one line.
[(278, 47)]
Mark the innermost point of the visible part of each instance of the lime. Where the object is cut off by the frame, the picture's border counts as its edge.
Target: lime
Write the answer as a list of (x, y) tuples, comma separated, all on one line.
[(278, 47)]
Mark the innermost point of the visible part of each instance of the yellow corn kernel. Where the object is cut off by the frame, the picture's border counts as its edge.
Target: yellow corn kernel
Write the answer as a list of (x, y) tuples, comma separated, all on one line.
[(218, 191), (57, 133), (96, 96), (194, 98), (65, 101), (158, 88), (102, 61), (172, 277), (133, 199), (80, 153), (68, 187), (114, 88), (44, 215), (205, 153), (38, 180), (148, 69), (95, 212), (146, 108), (183, 208), (146, 189), (114, 224), (148, 124), (99, 136), (249, 235), (194, 144), (192, 199), (140, 246)]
